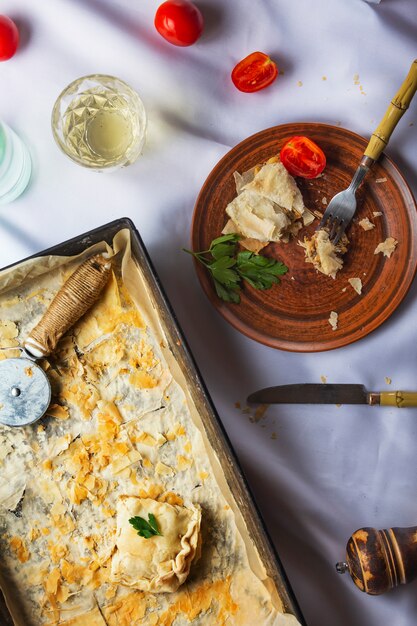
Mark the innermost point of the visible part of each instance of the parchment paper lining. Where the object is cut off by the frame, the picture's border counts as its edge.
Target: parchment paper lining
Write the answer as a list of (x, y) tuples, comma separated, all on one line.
[(138, 291)]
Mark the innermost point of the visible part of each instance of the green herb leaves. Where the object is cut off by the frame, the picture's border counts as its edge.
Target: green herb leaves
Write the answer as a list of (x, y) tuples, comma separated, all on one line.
[(146, 529), (260, 271), (228, 267)]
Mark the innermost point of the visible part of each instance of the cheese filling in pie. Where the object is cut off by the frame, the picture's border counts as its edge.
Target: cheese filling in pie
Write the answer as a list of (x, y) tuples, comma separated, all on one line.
[(160, 563), (323, 254)]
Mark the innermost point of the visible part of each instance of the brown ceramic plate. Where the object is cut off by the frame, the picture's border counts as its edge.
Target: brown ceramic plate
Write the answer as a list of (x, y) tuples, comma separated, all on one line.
[(294, 315)]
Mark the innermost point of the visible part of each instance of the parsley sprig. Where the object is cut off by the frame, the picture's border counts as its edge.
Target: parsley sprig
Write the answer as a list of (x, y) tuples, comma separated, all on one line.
[(228, 267), (146, 529)]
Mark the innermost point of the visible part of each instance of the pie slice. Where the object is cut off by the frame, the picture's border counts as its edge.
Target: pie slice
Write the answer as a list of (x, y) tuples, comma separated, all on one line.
[(160, 563)]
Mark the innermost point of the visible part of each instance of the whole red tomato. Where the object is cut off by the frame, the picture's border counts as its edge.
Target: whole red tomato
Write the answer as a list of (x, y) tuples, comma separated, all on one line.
[(254, 72), (302, 157), (180, 22), (9, 38)]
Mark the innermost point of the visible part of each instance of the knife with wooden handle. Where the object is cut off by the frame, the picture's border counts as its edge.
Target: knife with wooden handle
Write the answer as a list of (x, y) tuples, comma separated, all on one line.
[(307, 393)]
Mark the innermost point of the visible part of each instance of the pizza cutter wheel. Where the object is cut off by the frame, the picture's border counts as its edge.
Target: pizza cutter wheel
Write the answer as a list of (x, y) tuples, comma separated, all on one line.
[(25, 391)]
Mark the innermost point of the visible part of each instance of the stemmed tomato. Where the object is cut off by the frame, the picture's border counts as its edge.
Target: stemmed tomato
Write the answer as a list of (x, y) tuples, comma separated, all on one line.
[(302, 157), (254, 72)]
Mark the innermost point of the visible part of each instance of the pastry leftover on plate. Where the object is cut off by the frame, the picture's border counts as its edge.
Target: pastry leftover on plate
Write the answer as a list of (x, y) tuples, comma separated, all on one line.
[(269, 207), (325, 256)]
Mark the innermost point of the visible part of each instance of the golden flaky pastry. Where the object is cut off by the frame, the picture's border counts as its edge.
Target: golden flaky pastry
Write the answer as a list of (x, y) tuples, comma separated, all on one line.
[(268, 206), (92, 618), (160, 563), (323, 254), (386, 247)]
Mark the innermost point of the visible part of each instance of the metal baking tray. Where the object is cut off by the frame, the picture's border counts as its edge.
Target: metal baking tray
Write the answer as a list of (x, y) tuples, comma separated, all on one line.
[(214, 428)]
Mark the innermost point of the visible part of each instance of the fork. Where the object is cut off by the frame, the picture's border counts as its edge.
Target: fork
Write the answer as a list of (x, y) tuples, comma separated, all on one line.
[(342, 206)]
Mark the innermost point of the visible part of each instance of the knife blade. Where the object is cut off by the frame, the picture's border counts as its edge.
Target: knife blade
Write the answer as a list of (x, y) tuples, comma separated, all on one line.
[(311, 393)]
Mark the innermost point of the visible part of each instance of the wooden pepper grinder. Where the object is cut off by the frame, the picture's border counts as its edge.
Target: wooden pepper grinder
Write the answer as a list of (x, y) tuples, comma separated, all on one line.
[(379, 560)]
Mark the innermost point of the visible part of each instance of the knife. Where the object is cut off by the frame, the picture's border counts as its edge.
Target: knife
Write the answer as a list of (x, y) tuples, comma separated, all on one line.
[(331, 394)]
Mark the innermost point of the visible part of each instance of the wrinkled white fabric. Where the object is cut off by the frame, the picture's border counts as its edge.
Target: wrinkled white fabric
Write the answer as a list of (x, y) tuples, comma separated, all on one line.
[(330, 470)]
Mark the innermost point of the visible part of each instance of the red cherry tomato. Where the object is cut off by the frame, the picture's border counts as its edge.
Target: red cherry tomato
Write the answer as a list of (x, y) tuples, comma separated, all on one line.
[(302, 157), (180, 22), (254, 72), (9, 38)]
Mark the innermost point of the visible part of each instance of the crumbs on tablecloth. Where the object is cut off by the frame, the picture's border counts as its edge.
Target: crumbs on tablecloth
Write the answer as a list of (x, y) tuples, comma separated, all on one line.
[(299, 83), (323, 379), (260, 412), (388, 380), (253, 416), (273, 435), (356, 81), (324, 78)]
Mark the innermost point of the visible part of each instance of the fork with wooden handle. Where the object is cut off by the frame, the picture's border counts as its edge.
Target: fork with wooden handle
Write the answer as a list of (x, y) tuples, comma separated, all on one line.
[(342, 206), (379, 560)]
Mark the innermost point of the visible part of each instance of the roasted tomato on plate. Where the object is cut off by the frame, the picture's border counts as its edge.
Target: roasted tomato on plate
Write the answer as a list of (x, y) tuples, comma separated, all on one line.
[(302, 157)]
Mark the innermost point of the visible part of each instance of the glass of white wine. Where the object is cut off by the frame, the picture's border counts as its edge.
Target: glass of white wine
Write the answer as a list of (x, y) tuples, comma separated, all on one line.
[(99, 122)]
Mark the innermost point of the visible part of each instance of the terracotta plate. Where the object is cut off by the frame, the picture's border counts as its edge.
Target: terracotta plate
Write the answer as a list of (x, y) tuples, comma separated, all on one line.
[(294, 315)]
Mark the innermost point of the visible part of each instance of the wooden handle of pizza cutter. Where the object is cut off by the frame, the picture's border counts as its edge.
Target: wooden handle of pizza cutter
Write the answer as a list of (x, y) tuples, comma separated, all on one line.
[(74, 298), (379, 560), (393, 114)]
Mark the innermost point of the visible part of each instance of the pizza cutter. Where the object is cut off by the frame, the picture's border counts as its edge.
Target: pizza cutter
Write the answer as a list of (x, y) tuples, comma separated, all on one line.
[(25, 391)]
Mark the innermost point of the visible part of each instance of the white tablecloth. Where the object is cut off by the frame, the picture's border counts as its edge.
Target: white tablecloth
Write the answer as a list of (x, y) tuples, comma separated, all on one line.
[(327, 470)]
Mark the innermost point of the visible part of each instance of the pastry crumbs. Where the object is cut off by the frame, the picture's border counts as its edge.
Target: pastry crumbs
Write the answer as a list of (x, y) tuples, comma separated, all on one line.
[(34, 534), (19, 547), (171, 498), (58, 411), (57, 551), (260, 412), (52, 581), (142, 380), (183, 462)]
